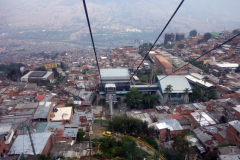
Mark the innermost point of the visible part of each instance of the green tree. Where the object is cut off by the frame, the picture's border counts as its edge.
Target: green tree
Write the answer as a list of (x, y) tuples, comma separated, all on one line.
[(168, 91), (205, 79), (80, 135), (26, 71), (182, 145), (207, 36), (181, 46), (150, 99), (129, 145), (153, 142), (235, 31), (43, 157), (14, 74), (186, 91), (172, 155), (131, 126), (193, 33), (56, 74), (62, 65), (107, 147), (42, 68), (102, 101), (134, 98), (71, 104)]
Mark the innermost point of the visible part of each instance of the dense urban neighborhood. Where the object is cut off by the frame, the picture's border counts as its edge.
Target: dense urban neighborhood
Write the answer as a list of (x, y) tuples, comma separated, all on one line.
[(181, 102)]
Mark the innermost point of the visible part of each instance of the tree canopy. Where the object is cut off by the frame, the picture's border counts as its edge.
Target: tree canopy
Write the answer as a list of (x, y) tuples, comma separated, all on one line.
[(42, 68), (80, 135), (207, 36), (193, 33), (202, 94), (56, 74), (136, 100), (125, 148), (181, 46), (129, 145), (131, 126), (235, 31), (107, 147)]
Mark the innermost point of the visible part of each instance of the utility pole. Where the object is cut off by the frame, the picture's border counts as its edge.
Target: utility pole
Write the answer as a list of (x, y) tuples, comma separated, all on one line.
[(30, 137)]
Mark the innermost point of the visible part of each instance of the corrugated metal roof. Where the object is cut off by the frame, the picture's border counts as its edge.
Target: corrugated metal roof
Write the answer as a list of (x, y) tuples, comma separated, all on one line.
[(195, 142), (171, 124), (41, 113), (202, 118), (206, 138), (26, 105), (22, 144), (198, 81), (70, 132), (121, 73), (20, 112), (15, 119), (229, 157), (41, 127)]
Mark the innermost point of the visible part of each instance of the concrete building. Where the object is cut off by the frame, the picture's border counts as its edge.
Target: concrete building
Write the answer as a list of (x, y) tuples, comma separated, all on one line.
[(50, 65), (169, 37), (163, 65), (179, 85), (43, 112), (227, 66), (169, 129), (197, 79), (63, 114), (42, 143), (199, 118), (66, 134), (233, 133), (119, 77), (179, 36), (37, 76)]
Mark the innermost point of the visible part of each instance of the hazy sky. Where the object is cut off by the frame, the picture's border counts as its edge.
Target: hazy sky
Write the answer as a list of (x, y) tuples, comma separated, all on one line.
[(111, 16)]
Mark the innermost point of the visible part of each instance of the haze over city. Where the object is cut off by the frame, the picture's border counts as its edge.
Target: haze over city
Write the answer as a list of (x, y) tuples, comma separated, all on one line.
[(113, 22), (130, 96)]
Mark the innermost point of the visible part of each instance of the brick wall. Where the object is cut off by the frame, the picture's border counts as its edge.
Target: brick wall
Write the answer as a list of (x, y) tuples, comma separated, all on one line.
[(2, 146), (49, 113), (67, 139), (237, 114), (175, 133), (163, 134), (233, 136), (219, 137), (48, 147), (194, 123), (183, 112), (51, 76)]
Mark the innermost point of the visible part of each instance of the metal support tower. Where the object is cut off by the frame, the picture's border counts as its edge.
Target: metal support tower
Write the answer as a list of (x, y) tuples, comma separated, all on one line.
[(110, 90)]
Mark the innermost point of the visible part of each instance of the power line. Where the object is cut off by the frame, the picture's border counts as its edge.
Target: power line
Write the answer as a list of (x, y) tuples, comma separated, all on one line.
[(89, 26), (201, 55), (156, 40)]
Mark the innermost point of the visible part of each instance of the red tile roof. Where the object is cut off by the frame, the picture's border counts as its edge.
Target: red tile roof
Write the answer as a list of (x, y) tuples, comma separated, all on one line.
[(40, 97)]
